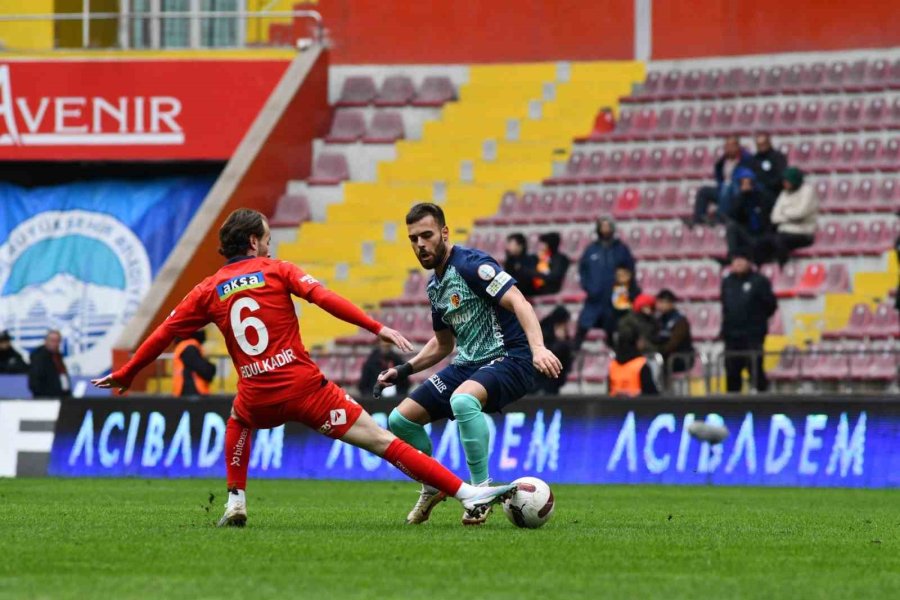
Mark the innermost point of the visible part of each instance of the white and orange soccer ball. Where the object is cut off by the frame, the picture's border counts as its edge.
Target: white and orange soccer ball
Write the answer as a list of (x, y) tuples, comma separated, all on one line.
[(532, 505)]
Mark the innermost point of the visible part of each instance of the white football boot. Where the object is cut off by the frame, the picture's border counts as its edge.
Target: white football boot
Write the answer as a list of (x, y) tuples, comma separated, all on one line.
[(479, 507), (235, 510), (428, 499)]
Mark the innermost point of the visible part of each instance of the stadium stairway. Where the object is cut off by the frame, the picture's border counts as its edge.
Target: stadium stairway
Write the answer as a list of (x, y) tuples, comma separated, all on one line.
[(501, 133)]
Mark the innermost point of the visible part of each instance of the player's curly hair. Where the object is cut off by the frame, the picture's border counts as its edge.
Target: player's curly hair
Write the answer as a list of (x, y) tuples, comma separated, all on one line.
[(234, 235)]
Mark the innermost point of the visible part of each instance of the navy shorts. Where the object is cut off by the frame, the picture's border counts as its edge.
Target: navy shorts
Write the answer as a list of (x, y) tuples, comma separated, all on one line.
[(506, 379)]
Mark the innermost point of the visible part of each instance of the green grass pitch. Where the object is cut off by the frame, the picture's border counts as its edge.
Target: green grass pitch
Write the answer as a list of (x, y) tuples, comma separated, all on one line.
[(305, 539)]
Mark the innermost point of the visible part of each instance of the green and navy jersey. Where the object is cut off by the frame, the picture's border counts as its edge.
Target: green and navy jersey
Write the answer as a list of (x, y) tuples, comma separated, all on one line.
[(466, 299)]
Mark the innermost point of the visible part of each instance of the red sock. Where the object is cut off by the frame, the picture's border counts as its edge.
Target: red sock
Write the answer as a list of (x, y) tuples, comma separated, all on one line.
[(422, 467), (237, 454)]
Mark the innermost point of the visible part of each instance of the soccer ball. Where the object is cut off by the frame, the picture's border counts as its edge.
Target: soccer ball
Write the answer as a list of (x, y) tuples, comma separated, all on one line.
[(532, 505)]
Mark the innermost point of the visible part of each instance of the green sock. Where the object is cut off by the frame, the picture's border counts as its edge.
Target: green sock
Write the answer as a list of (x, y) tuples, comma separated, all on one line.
[(473, 433), (411, 433)]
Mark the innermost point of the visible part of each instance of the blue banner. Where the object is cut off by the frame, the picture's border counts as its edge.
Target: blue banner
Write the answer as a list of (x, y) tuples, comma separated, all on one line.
[(80, 257), (846, 444)]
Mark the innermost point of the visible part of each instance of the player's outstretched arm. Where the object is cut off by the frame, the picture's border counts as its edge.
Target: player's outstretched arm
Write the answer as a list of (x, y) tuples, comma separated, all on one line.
[(436, 350), (338, 306), (543, 360)]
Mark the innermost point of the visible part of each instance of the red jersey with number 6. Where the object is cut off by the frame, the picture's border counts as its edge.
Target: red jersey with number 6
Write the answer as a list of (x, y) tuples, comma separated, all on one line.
[(249, 300)]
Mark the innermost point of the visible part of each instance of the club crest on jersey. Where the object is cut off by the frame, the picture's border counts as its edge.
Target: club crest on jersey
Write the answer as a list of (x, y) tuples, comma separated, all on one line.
[(249, 281), (455, 300)]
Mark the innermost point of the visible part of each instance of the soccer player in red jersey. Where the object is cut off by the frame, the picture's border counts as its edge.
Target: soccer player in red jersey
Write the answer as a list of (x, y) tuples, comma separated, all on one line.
[(249, 300)]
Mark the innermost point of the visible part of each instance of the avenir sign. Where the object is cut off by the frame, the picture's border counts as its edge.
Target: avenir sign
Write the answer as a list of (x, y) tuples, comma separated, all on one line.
[(130, 109)]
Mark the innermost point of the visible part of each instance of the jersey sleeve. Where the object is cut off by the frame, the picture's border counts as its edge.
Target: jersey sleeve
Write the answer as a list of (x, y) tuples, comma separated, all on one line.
[(299, 282), (486, 278), (437, 320), (189, 316)]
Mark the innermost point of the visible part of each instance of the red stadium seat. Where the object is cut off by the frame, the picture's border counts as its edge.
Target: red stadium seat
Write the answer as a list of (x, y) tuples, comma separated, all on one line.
[(746, 120), (624, 126), (596, 368), (885, 323), (772, 80), (435, 91), (329, 169), (788, 367), (851, 116), (348, 126), (665, 124), (793, 80), (684, 123), (860, 319), (386, 128), (875, 115), (604, 124), (889, 160), (357, 91), (832, 117), (290, 211), (725, 121), (870, 156), (506, 211), (396, 90), (627, 203)]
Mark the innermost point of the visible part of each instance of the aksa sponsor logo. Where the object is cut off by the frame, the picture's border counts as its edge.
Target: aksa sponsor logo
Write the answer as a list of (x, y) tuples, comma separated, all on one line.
[(87, 120), (239, 284)]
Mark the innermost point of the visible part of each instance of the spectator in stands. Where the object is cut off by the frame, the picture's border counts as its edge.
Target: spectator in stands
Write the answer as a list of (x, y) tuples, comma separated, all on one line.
[(11, 362), (751, 209), (794, 218), (597, 270), (629, 373), (519, 263), (191, 371), (48, 376), (673, 339), (551, 266), (721, 194), (381, 359), (640, 323), (624, 293), (555, 328), (769, 164), (747, 303)]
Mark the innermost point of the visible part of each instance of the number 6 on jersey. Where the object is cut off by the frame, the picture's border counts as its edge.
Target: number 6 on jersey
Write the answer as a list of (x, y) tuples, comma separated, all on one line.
[(239, 327)]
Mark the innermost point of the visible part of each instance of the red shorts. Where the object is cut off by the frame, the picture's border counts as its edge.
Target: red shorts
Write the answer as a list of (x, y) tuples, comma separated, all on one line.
[(329, 410)]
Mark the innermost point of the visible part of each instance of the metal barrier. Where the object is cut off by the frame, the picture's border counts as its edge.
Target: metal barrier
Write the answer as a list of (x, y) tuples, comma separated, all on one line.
[(155, 17), (711, 371)]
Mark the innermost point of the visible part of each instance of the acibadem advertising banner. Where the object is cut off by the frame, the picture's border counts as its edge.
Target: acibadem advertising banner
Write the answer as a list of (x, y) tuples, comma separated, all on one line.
[(564, 441)]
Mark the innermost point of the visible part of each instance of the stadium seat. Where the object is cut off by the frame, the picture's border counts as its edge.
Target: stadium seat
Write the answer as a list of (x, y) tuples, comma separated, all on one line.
[(290, 211), (831, 120), (571, 172), (817, 279), (645, 92), (604, 124), (413, 291), (435, 91), (627, 203), (396, 90), (874, 115), (788, 367), (357, 91), (683, 127), (889, 159), (624, 126), (860, 320), (725, 121), (851, 116), (329, 169), (885, 323), (545, 210), (386, 128), (595, 368), (874, 363), (706, 323), (504, 214), (347, 127), (869, 159)]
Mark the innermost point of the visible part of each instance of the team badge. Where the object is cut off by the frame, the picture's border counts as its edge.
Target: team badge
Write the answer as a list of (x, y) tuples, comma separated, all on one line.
[(486, 272), (454, 300)]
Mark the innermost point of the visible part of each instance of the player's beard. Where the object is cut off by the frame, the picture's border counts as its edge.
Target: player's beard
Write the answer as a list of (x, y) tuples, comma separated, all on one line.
[(433, 260)]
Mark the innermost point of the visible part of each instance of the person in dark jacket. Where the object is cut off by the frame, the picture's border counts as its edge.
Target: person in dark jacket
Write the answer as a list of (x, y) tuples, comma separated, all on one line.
[(551, 266), (381, 359), (625, 292), (557, 339), (750, 217), (519, 263), (747, 303), (641, 323), (11, 362), (48, 376), (721, 194), (674, 340), (769, 165), (597, 271)]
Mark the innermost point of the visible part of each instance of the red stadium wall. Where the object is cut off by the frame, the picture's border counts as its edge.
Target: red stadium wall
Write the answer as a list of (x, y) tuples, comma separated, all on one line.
[(473, 31), (731, 27)]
